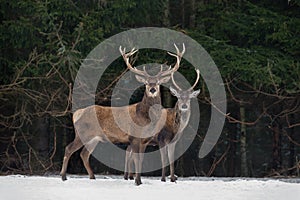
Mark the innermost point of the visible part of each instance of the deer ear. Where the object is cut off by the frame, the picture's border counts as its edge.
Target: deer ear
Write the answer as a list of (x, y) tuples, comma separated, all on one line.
[(174, 92), (194, 94), (140, 79), (164, 79)]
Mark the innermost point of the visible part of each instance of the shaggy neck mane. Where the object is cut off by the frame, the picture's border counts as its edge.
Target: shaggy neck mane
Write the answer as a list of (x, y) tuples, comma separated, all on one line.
[(177, 115), (144, 106)]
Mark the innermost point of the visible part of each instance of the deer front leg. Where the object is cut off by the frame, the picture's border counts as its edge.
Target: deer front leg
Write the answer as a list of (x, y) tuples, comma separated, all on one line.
[(130, 171), (128, 159), (171, 151), (163, 155), (138, 160), (137, 172)]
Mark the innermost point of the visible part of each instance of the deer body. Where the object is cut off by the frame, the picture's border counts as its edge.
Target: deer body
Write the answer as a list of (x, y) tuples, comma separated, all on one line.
[(85, 124), (177, 120)]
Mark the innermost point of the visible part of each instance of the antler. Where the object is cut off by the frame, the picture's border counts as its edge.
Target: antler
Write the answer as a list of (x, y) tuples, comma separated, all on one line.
[(178, 55), (174, 83), (129, 66), (170, 70), (197, 79)]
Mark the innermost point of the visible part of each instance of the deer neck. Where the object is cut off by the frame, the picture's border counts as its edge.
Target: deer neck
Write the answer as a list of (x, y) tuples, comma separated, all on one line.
[(144, 106), (181, 118)]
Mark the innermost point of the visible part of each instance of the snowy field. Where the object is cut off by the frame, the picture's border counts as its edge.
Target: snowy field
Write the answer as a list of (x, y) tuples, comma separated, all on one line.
[(114, 187)]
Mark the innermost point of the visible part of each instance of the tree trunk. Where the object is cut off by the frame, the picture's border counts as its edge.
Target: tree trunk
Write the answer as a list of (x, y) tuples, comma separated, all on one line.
[(276, 162), (43, 135), (166, 20), (231, 166), (182, 13), (292, 148), (244, 167), (192, 17)]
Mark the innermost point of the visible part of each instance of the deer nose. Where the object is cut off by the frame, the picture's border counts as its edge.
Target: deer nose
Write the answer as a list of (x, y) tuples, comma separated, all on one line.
[(152, 90), (184, 106)]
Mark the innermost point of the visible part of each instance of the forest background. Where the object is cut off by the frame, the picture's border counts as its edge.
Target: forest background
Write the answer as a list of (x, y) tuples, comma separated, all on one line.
[(254, 43)]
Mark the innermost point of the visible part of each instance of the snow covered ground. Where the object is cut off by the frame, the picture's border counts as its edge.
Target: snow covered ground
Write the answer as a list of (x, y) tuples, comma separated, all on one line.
[(114, 187)]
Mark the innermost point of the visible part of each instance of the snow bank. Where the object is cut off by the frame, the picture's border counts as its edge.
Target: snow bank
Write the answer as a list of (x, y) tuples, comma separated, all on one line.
[(114, 187)]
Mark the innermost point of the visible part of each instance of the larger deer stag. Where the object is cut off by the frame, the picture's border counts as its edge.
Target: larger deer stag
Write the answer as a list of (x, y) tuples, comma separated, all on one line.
[(177, 119), (86, 128)]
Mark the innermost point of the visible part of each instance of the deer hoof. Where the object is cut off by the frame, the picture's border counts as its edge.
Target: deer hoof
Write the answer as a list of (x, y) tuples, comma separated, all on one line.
[(92, 177), (163, 179), (173, 179), (138, 182), (126, 176), (131, 177), (64, 177)]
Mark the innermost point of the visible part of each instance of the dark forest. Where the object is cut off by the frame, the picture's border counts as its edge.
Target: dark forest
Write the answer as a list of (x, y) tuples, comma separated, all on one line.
[(255, 44)]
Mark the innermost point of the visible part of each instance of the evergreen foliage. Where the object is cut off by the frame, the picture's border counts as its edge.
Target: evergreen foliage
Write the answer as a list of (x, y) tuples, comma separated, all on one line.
[(255, 44)]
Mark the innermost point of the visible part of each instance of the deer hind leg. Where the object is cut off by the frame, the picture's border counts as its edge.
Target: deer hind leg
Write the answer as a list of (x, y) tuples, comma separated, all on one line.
[(163, 155), (171, 151), (69, 150), (128, 164), (127, 158), (85, 155)]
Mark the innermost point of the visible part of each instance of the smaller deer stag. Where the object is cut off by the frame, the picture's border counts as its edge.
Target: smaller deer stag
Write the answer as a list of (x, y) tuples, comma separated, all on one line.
[(177, 119), (87, 120)]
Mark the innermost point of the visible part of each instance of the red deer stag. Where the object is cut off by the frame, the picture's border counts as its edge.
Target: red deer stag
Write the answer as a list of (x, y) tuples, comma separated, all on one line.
[(177, 119), (87, 131)]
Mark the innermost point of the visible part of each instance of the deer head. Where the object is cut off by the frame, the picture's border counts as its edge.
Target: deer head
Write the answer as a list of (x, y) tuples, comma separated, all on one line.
[(152, 82), (184, 96)]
